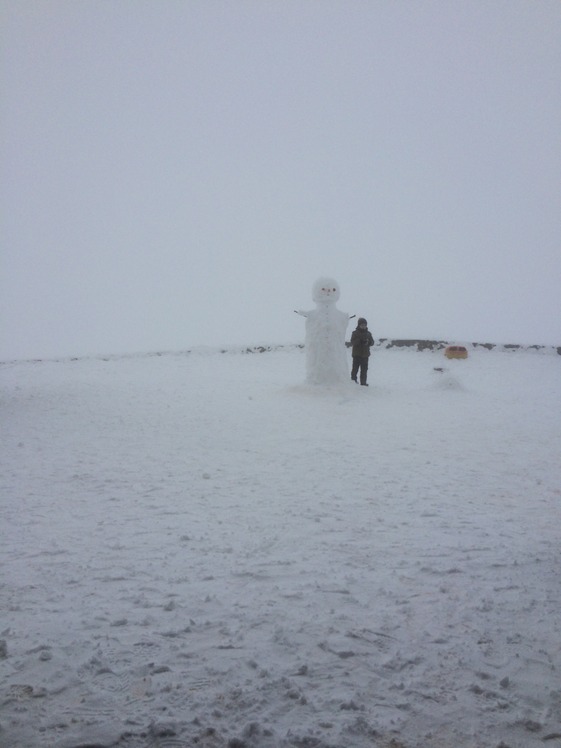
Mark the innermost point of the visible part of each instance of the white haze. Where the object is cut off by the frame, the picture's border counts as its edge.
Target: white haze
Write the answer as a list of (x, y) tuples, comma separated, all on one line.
[(178, 174)]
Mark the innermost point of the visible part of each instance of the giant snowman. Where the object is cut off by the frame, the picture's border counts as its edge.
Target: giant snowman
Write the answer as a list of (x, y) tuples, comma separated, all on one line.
[(326, 326)]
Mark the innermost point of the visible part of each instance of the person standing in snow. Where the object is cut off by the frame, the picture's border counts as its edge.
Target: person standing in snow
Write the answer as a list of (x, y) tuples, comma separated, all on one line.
[(361, 341)]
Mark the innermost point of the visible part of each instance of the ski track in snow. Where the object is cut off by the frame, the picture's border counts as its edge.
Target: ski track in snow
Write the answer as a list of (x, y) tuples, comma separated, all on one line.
[(200, 550)]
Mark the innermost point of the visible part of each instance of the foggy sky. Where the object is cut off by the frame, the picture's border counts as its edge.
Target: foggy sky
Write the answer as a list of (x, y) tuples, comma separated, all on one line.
[(178, 173)]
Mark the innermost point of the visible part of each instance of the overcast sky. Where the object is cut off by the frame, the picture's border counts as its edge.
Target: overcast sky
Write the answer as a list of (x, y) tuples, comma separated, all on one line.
[(179, 172)]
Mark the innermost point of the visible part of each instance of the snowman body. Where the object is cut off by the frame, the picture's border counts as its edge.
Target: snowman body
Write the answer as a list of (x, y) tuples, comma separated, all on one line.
[(326, 327)]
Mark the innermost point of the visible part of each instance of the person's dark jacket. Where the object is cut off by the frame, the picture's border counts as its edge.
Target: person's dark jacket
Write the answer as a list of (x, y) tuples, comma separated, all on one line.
[(361, 340)]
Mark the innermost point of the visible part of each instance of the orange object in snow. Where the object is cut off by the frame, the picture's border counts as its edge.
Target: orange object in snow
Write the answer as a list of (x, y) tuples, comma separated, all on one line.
[(456, 351)]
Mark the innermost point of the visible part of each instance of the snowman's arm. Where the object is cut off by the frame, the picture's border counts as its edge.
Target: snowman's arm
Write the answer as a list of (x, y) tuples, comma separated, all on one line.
[(352, 316), (301, 312)]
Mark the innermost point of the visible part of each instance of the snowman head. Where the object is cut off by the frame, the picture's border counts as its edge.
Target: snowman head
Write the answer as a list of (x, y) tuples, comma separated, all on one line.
[(325, 290)]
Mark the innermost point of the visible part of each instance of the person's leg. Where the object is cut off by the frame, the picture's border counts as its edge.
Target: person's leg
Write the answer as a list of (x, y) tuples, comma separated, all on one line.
[(356, 364), (363, 370)]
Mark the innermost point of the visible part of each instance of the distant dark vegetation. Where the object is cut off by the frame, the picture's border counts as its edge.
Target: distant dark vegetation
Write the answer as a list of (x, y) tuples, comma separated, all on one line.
[(421, 345), (436, 345)]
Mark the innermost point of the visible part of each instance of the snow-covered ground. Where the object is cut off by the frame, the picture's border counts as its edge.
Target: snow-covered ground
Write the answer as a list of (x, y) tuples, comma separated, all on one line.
[(201, 550)]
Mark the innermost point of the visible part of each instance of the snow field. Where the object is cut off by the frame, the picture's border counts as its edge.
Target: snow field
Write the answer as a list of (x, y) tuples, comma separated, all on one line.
[(202, 550)]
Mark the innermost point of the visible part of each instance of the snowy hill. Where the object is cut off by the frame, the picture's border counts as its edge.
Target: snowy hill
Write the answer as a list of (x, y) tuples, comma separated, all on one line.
[(201, 550)]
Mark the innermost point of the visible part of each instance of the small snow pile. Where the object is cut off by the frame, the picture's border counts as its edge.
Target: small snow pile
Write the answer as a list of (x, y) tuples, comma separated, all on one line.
[(446, 380)]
